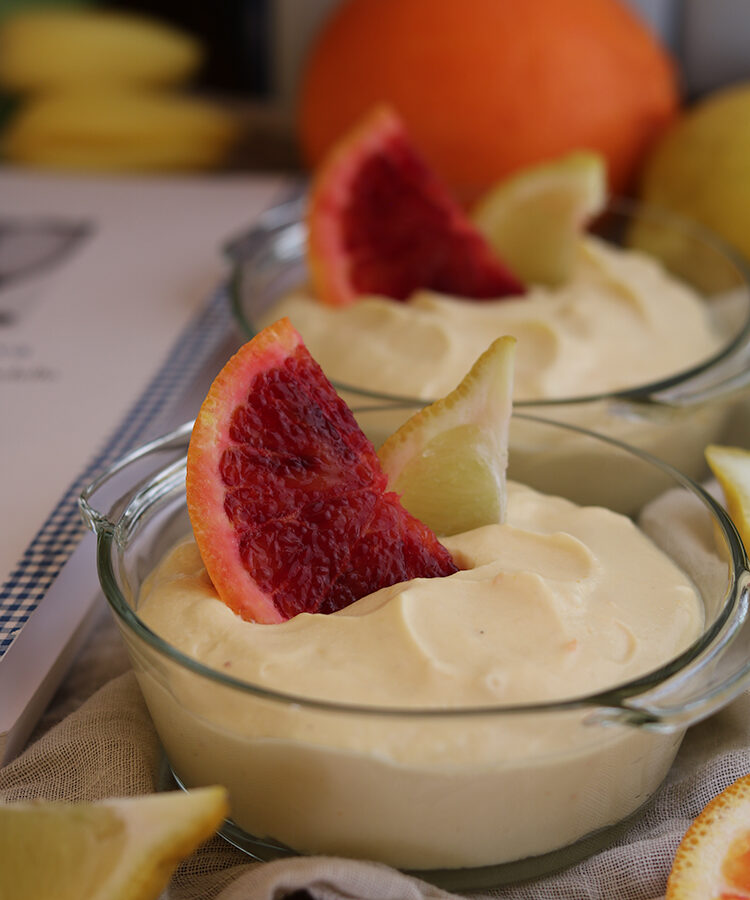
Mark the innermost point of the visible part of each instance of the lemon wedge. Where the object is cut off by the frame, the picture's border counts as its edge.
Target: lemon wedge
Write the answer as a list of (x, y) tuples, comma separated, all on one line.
[(712, 859), (448, 461), (731, 467), (120, 849), (534, 219)]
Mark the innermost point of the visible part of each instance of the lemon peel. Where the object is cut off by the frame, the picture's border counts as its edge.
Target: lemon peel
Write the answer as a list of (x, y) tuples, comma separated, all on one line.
[(448, 461)]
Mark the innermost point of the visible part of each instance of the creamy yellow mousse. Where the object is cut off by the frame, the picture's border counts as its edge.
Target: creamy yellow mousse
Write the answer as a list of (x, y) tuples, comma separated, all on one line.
[(559, 601), (622, 320)]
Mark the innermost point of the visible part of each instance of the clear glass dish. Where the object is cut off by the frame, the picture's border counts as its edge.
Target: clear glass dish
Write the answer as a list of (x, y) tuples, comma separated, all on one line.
[(516, 807), (673, 418)]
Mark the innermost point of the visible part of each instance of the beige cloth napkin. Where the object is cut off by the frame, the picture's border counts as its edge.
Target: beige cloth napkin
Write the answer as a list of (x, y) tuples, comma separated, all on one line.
[(97, 741)]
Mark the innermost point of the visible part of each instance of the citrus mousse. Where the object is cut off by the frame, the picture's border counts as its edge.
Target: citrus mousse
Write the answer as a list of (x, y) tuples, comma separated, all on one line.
[(620, 320), (364, 702), (406, 290), (559, 601), (389, 314)]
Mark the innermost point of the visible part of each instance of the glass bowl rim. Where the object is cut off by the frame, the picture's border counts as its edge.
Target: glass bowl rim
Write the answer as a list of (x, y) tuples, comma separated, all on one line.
[(280, 219), (614, 697)]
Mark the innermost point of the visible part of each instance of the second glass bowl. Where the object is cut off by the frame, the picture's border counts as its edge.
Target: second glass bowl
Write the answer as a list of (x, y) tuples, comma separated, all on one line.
[(673, 418)]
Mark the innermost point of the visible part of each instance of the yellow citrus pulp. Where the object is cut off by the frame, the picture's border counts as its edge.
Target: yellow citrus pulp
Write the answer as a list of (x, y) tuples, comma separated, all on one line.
[(731, 466), (448, 461), (534, 218), (119, 849)]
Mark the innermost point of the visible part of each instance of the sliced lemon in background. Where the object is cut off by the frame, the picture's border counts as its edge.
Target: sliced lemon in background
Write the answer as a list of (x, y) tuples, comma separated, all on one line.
[(120, 849), (534, 219), (448, 461), (731, 467), (713, 860)]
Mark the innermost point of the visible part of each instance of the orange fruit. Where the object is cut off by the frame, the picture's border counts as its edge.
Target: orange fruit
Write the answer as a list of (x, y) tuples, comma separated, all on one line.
[(713, 860), (380, 222), (286, 496), (490, 86)]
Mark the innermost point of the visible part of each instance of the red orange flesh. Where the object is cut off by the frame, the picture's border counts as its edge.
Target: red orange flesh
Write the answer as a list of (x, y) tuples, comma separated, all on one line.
[(380, 222), (713, 859)]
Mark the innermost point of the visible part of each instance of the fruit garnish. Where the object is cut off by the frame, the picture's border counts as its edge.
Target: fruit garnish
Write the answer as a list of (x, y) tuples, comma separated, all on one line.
[(380, 222), (713, 859), (286, 495), (534, 218), (118, 849), (731, 467), (448, 462)]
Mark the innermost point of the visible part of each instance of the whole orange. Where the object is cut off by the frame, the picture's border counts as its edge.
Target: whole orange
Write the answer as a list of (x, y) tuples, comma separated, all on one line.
[(488, 86)]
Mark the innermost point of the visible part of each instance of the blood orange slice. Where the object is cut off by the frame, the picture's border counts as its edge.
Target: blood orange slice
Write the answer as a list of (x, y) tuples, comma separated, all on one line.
[(713, 860), (286, 495), (380, 222)]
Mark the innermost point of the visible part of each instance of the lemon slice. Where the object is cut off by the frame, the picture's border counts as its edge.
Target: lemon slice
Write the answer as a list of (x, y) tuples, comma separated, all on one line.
[(731, 466), (533, 219), (448, 461), (120, 849), (712, 860)]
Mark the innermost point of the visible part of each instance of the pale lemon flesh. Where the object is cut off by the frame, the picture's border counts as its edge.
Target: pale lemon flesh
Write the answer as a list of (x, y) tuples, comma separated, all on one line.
[(448, 462), (534, 219), (119, 849), (731, 467)]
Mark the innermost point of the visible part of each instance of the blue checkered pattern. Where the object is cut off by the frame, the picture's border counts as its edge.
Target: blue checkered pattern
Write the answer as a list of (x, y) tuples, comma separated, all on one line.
[(58, 537)]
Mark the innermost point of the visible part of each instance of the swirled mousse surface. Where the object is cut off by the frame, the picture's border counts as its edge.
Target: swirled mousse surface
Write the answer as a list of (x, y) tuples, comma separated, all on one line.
[(558, 601), (621, 321)]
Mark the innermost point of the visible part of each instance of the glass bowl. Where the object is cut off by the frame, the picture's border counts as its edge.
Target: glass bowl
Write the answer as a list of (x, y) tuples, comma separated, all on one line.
[(483, 795), (673, 418)]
